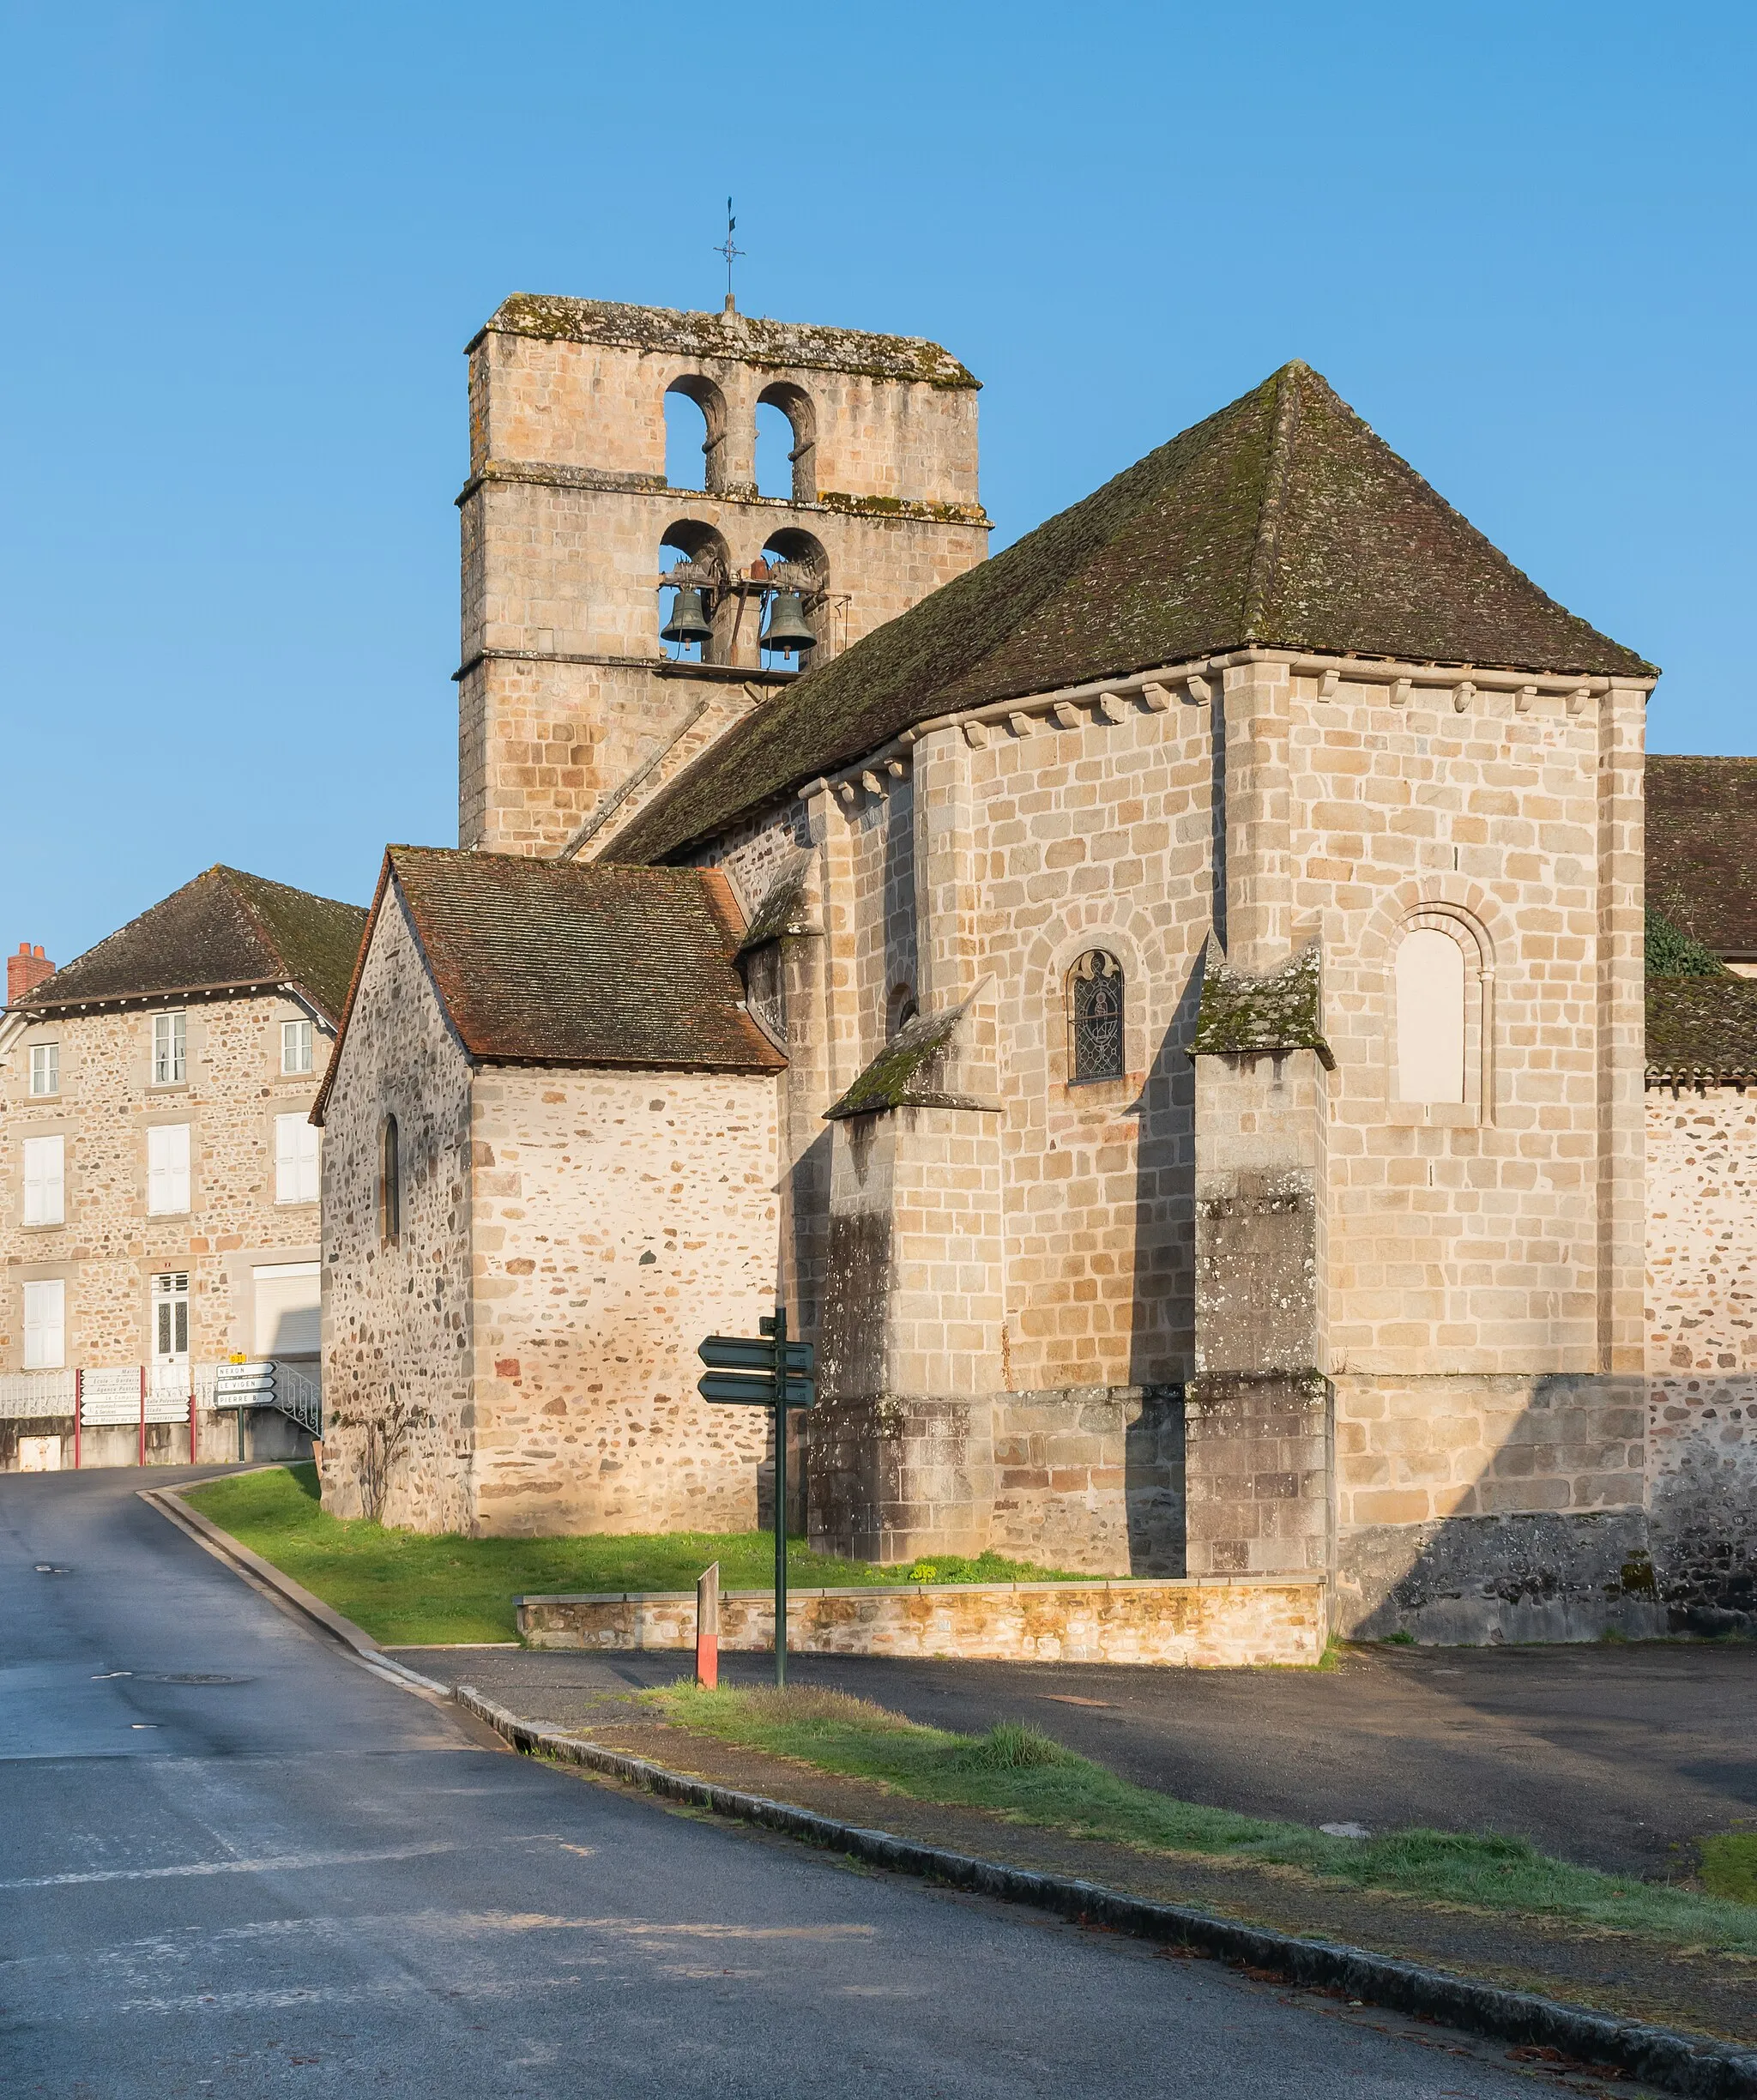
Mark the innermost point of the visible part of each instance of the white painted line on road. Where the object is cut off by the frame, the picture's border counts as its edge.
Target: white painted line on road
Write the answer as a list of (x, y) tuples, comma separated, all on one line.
[(280, 1863)]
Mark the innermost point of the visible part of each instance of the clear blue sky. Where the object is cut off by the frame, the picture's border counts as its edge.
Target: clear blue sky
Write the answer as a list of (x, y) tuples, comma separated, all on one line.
[(243, 247)]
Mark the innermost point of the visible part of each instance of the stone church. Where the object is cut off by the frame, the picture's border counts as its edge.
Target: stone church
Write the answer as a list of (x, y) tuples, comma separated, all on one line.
[(1163, 1006)]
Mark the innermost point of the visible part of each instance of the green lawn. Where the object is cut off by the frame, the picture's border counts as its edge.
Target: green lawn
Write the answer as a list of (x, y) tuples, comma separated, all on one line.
[(1030, 1778), (417, 1586)]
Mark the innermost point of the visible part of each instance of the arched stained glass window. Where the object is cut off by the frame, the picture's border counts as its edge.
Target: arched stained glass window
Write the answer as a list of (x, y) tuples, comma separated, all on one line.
[(1095, 1018)]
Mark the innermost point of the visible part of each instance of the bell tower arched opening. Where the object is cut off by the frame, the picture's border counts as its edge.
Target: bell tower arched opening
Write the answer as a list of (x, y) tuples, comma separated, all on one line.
[(695, 434), (796, 478), (697, 607), (800, 609)]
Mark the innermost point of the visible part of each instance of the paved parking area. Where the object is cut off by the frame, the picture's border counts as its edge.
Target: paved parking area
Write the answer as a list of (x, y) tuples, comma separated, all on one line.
[(1618, 1756)]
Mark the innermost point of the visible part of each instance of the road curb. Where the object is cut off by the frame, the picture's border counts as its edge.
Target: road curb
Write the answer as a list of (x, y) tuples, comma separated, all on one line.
[(1677, 2062), (221, 1544)]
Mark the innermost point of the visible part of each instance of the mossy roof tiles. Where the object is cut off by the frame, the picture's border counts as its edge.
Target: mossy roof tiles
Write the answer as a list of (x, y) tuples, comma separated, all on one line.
[(558, 962), (1282, 521), (747, 337), (225, 930), (1702, 1028), (1702, 848)]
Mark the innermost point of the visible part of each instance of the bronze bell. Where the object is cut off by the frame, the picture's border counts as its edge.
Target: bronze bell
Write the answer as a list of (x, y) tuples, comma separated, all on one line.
[(689, 619), (787, 630)]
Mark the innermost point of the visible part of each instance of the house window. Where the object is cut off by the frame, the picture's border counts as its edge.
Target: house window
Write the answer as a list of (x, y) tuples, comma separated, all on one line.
[(1430, 1017), (170, 1056), (45, 1180), (295, 1159), (1095, 1018), (46, 1068), (45, 1326), (295, 1046), (168, 1170), (390, 1184), (170, 1317)]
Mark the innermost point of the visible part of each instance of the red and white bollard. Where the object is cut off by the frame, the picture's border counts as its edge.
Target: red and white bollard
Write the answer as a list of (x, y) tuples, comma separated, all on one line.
[(708, 1627)]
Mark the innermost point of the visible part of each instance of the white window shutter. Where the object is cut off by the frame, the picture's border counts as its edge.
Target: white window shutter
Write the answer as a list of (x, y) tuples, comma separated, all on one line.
[(168, 1169), (45, 1180), (296, 1168), (45, 1326)]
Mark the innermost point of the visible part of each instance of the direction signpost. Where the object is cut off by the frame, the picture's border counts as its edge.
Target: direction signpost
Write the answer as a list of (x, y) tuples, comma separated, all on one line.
[(772, 1372)]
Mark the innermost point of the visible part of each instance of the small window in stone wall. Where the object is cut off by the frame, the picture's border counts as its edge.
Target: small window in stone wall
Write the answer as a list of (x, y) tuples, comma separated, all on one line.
[(1095, 1018), (390, 1184)]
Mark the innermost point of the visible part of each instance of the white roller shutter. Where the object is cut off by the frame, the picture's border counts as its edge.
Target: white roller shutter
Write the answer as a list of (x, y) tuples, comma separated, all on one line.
[(289, 1301)]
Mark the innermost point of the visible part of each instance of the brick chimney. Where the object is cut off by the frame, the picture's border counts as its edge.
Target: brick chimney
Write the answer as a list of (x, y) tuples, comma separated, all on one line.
[(26, 971)]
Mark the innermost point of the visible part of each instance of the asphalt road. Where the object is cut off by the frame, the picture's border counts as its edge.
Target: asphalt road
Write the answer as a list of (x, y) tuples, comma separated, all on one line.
[(233, 1861), (1615, 1757)]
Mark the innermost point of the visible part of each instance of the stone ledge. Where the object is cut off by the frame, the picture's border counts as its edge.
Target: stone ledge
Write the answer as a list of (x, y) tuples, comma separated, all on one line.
[(1226, 1622)]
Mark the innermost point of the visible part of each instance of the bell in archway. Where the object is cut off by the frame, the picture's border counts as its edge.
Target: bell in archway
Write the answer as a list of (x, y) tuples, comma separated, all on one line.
[(788, 630), (689, 619)]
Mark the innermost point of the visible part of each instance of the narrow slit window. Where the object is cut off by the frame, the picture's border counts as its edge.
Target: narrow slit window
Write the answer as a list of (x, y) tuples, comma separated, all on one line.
[(1095, 1018), (390, 1184)]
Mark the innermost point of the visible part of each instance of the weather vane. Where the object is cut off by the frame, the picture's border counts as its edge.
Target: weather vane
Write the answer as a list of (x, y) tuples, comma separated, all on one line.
[(728, 250)]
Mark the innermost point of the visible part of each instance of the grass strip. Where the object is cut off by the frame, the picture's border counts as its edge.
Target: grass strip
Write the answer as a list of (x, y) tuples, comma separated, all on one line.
[(418, 1586), (1730, 1866), (1018, 1773)]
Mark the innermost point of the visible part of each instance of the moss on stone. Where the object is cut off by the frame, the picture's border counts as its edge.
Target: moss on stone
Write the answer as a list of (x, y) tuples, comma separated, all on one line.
[(1240, 1014), (901, 1075)]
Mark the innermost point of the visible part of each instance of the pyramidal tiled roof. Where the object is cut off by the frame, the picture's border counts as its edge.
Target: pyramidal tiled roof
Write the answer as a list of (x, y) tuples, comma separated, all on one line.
[(226, 930), (1282, 521)]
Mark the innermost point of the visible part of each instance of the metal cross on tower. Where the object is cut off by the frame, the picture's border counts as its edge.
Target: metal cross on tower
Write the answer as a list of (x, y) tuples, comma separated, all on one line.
[(728, 250)]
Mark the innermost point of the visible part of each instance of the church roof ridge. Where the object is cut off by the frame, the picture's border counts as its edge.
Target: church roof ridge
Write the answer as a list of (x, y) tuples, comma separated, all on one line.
[(749, 339), (224, 929), (1280, 521)]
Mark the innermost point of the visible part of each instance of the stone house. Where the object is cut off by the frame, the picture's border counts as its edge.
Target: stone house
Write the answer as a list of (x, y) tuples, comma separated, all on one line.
[(159, 1174), (1206, 944), (550, 1166)]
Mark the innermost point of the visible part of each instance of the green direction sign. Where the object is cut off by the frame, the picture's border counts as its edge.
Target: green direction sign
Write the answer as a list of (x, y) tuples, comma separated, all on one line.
[(745, 1388), (738, 1353)]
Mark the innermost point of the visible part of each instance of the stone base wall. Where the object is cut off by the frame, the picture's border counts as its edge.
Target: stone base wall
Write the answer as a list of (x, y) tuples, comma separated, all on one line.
[(1086, 1477), (1702, 1499), (1471, 1580), (1223, 1625)]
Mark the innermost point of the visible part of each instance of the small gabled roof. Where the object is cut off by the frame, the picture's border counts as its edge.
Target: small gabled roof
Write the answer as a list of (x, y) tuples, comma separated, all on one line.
[(224, 931), (1702, 848), (1282, 521), (565, 963)]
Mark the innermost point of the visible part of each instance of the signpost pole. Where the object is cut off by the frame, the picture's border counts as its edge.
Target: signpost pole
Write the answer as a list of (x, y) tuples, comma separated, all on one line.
[(779, 1496)]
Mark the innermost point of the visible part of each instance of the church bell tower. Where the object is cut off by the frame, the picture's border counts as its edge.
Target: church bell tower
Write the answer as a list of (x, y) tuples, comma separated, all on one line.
[(579, 558)]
